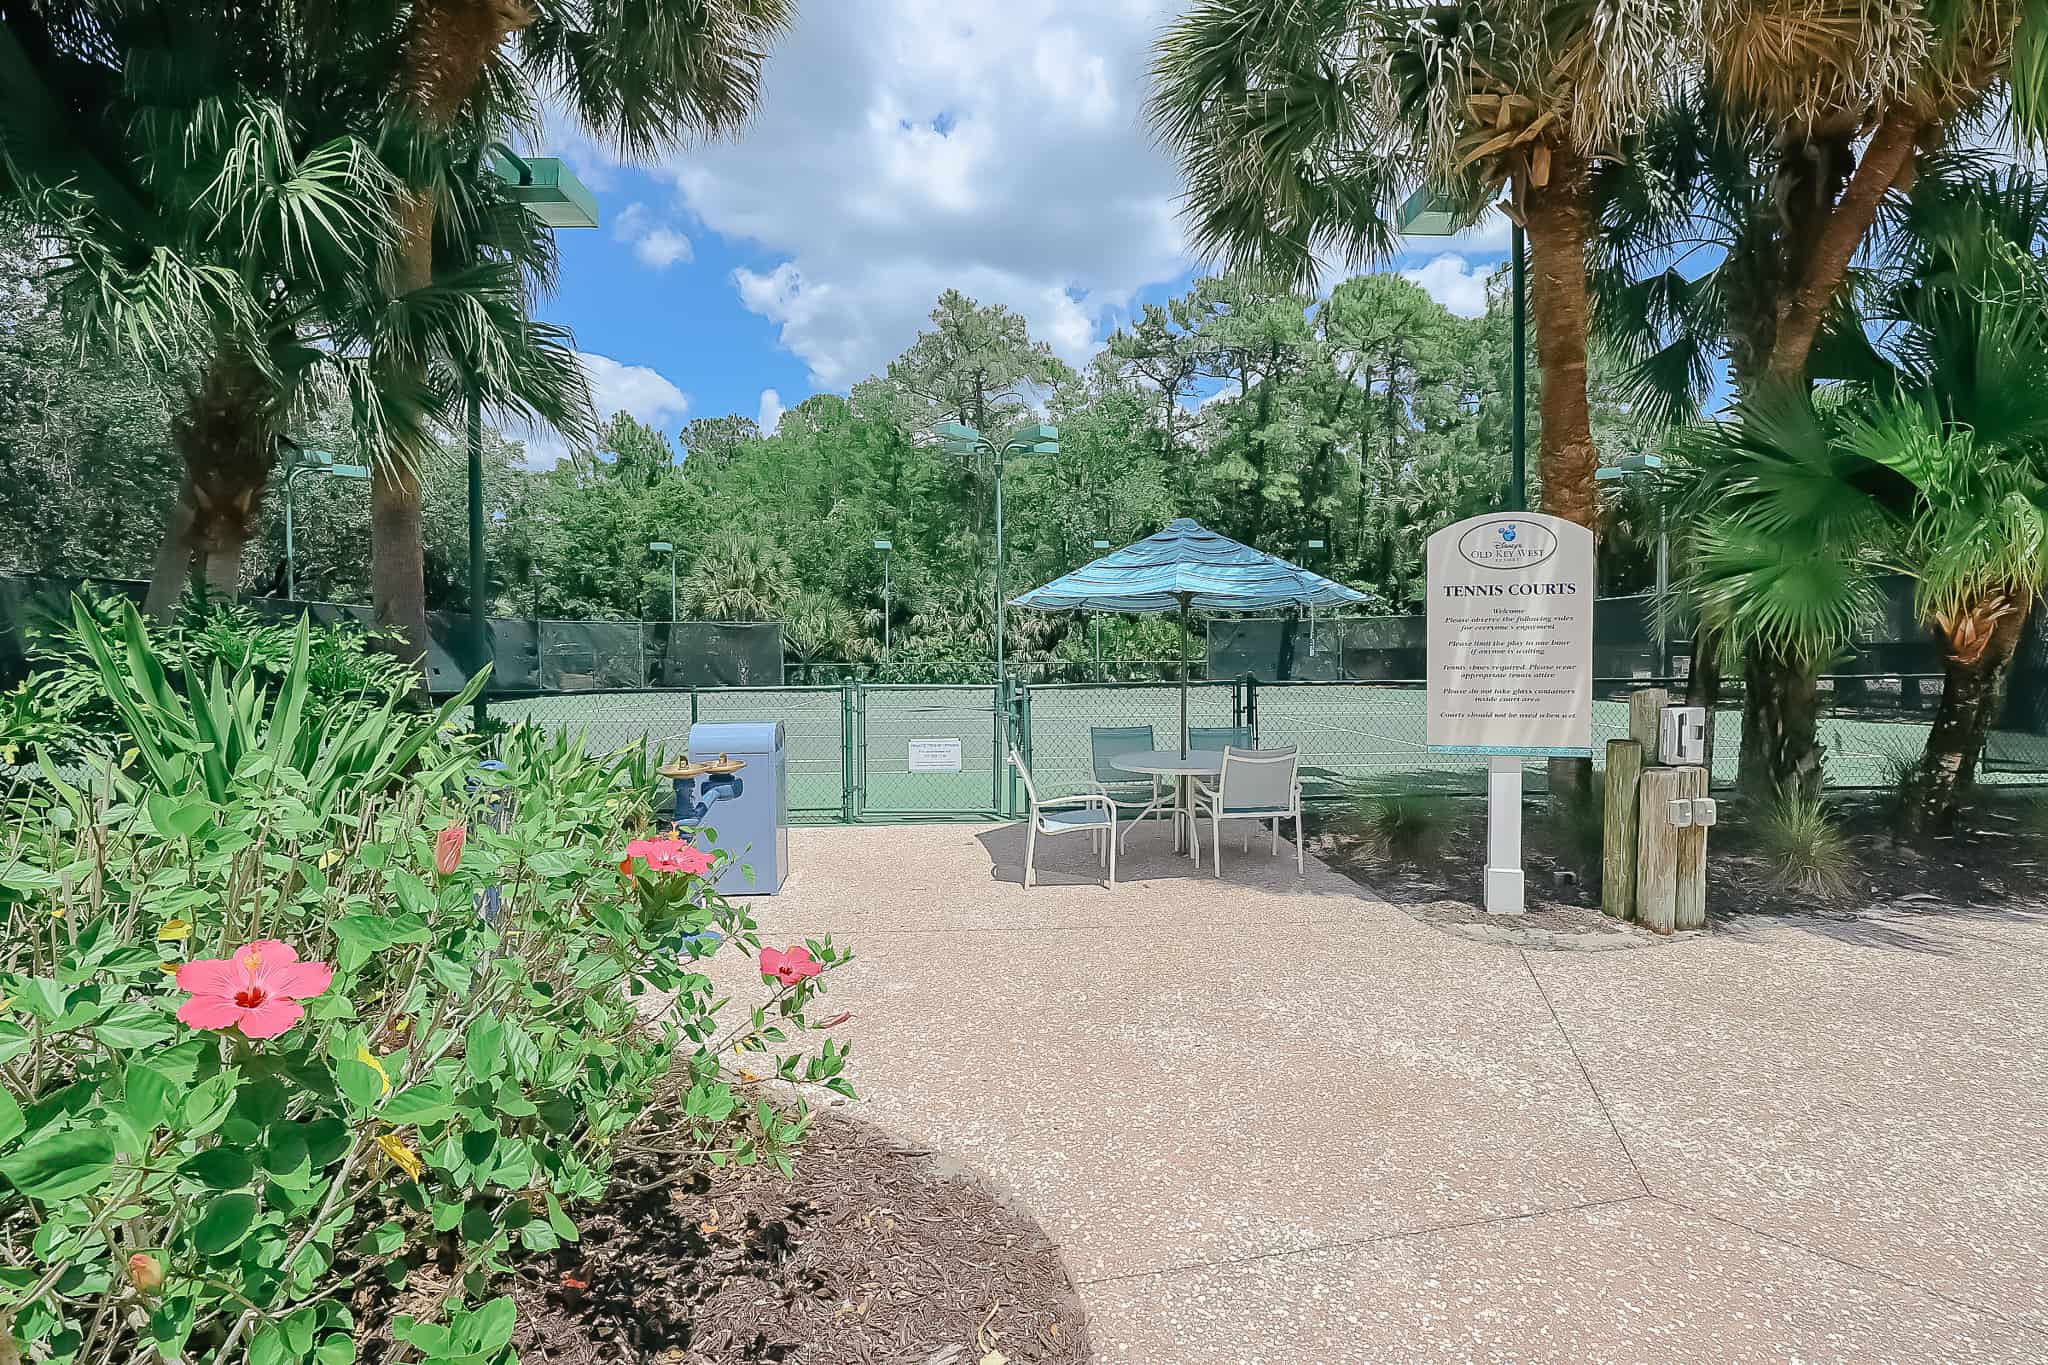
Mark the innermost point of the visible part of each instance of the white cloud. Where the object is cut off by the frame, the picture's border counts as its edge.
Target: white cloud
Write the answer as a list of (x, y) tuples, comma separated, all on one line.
[(615, 387), (655, 243), (1455, 283), (771, 412), (908, 146)]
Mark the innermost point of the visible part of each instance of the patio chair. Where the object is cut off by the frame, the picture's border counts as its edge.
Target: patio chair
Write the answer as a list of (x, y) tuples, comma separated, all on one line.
[(1211, 737), (1090, 812), (1255, 784), (1126, 791)]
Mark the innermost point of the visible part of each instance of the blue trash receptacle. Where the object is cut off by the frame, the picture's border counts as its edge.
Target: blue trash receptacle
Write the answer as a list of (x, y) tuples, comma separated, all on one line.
[(752, 824)]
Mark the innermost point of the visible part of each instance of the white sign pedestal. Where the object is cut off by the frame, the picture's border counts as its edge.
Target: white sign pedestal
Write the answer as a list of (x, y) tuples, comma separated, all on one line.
[(1504, 834), (1510, 663)]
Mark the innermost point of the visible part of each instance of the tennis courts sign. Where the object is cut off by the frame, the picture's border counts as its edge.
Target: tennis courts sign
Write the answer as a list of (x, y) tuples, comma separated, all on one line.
[(1511, 637)]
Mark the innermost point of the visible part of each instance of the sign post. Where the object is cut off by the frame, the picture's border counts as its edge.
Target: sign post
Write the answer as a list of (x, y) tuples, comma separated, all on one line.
[(1510, 663)]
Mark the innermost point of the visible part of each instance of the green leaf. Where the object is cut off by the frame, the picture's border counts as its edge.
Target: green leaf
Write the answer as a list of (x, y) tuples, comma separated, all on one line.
[(427, 1102), (62, 1165), (225, 1223), (385, 1239), (148, 1097), (360, 1082), (483, 1045), (178, 819), (12, 1124), (489, 1329), (135, 1025), (220, 1168), (209, 1104), (336, 1349)]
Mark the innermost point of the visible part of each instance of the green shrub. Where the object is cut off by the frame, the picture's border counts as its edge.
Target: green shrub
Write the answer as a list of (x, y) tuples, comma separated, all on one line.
[(1401, 824), (64, 711), (287, 1014), (1804, 849)]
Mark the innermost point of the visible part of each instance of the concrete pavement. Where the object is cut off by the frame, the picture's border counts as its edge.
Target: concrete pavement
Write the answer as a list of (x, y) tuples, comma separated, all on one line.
[(1276, 1120)]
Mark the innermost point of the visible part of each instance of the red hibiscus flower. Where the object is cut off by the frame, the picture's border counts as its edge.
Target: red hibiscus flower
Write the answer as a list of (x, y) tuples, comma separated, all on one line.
[(258, 990), (667, 855), (791, 965), (448, 848)]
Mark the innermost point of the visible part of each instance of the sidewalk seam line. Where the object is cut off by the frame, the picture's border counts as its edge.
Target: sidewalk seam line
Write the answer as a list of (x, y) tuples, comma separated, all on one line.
[(1847, 1264), (1353, 1243), (1585, 1072)]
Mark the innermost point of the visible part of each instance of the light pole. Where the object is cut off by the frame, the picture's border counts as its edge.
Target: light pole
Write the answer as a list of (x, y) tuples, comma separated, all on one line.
[(885, 547), (1099, 545), (1650, 464), (1311, 545), (310, 462), (1428, 214), (1036, 439), (665, 547), (556, 198)]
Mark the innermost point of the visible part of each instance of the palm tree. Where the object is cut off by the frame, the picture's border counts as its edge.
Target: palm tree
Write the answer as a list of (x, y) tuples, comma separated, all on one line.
[(221, 183), (1931, 462), (1300, 127), (210, 206), (642, 77), (739, 579), (1775, 170)]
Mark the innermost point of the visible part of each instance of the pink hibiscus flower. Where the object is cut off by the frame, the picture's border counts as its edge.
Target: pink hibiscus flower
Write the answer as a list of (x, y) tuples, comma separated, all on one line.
[(790, 965), (667, 855), (448, 848), (258, 990)]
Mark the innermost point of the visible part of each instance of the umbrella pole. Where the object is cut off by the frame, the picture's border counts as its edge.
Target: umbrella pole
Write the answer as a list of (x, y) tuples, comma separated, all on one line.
[(1183, 675)]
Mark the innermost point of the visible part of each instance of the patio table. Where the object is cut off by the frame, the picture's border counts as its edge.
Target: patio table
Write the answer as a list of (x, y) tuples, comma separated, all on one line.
[(1182, 768)]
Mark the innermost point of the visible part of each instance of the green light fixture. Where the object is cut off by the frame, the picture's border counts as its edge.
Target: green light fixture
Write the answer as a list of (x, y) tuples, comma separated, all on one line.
[(548, 189)]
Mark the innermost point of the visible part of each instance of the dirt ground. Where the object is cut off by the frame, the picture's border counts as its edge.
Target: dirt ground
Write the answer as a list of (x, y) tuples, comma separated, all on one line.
[(1996, 858)]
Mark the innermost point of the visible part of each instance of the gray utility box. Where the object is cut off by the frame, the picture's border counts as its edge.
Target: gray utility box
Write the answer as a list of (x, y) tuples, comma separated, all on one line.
[(753, 827)]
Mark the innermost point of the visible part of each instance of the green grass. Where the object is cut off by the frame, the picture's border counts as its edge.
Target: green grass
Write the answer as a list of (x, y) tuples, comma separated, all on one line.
[(1805, 849)]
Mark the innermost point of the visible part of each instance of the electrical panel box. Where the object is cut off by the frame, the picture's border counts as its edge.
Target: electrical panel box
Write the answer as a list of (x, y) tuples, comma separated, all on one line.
[(1682, 736)]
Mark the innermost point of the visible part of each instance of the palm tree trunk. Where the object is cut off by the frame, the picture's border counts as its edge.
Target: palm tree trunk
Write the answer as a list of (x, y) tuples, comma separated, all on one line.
[(227, 439), (1558, 220), (1703, 681), (1821, 273), (1971, 686), (1781, 750), (445, 52), (173, 556)]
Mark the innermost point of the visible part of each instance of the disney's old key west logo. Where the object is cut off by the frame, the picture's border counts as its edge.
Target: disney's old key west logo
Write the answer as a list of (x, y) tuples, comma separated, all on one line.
[(1509, 543)]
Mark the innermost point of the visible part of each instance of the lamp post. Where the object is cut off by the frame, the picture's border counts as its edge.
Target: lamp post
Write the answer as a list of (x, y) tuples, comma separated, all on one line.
[(310, 462), (885, 547), (1428, 214), (556, 199), (1649, 464), (1099, 545), (665, 547), (1036, 439), (1311, 545)]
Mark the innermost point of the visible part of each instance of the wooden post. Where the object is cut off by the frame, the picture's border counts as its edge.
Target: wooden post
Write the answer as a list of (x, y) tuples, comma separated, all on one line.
[(1657, 849), (1690, 908), (1619, 820), (1644, 711)]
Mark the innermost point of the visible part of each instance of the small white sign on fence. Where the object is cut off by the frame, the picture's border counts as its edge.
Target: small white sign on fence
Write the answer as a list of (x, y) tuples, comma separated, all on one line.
[(933, 756)]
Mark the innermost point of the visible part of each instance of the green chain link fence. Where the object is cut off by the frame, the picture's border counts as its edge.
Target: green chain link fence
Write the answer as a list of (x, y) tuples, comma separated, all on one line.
[(849, 746)]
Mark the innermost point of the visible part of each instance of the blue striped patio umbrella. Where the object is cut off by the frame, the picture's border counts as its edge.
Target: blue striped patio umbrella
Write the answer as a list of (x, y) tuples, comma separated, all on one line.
[(1187, 567)]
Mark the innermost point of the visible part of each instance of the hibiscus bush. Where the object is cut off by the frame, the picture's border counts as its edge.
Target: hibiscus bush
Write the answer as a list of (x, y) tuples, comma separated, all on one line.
[(291, 1022)]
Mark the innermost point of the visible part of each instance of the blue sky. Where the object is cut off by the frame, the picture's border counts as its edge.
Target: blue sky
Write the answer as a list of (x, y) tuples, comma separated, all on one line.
[(903, 147)]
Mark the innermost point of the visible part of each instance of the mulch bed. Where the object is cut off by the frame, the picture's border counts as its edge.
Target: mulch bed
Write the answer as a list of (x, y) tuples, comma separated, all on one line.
[(877, 1253), (1997, 859)]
